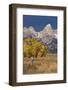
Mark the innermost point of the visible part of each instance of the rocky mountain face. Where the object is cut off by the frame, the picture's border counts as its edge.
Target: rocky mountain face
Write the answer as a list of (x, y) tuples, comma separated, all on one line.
[(47, 36)]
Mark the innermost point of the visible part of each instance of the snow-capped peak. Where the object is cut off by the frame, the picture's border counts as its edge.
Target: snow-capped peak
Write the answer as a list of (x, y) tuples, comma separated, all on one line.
[(48, 29)]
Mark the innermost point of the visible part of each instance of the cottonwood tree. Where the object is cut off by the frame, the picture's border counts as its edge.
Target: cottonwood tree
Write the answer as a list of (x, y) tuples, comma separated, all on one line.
[(34, 48)]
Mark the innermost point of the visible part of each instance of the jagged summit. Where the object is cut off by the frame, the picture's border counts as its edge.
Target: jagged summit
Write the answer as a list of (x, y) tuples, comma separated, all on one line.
[(48, 29), (46, 32), (30, 31)]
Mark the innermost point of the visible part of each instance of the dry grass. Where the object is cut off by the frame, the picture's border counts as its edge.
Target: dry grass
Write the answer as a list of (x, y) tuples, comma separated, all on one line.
[(46, 64)]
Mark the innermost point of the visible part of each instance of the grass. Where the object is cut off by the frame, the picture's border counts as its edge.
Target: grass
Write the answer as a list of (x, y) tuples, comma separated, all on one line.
[(46, 64)]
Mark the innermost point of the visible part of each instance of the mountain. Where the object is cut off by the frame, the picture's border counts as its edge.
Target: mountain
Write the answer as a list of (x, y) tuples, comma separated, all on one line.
[(29, 32), (47, 30), (47, 36), (53, 46)]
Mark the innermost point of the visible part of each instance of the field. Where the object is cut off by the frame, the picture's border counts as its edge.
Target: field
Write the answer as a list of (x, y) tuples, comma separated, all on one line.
[(40, 65)]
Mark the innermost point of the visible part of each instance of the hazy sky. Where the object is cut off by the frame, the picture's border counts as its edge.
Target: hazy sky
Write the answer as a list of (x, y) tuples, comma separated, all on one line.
[(39, 22)]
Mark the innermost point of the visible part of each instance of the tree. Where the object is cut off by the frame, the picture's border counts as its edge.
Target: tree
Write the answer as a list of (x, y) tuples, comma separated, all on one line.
[(34, 48)]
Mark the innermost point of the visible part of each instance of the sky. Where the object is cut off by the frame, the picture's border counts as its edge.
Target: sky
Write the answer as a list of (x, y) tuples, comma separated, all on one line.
[(39, 22)]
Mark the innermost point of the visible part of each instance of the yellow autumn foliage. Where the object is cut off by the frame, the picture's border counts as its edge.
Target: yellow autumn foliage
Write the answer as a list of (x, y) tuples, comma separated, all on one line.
[(34, 48)]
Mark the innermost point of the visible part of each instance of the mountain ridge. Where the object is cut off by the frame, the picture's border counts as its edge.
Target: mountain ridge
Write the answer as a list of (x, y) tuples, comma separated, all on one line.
[(47, 36)]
